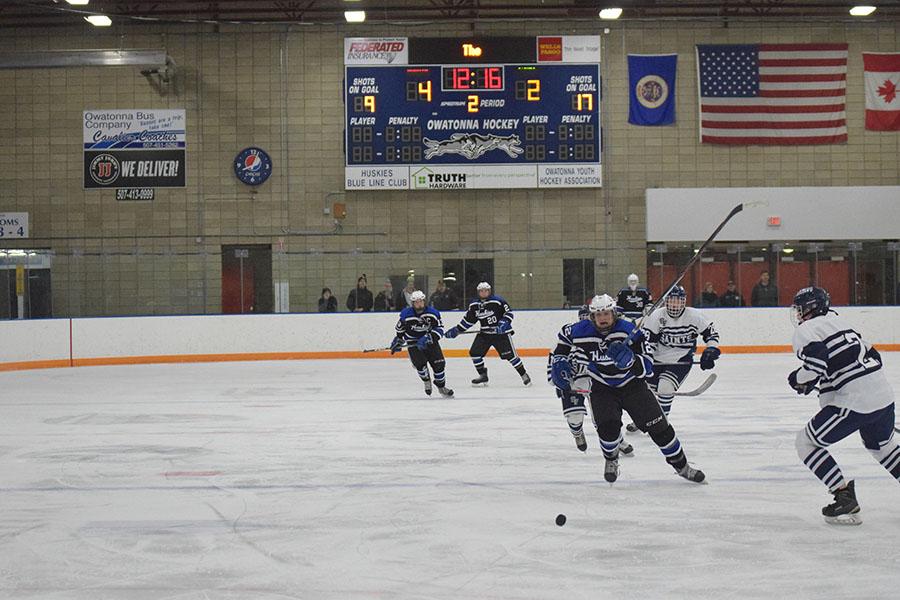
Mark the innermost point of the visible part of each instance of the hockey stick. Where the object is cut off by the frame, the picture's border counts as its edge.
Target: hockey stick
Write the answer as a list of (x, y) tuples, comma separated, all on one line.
[(695, 392), (386, 348), (692, 262)]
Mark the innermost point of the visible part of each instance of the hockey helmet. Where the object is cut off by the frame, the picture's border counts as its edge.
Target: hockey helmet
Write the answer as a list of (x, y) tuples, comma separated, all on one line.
[(484, 285), (808, 303), (633, 280), (417, 295), (584, 312), (676, 300), (604, 311)]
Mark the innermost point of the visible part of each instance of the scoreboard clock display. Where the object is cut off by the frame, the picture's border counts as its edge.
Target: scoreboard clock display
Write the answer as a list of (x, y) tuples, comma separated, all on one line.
[(507, 113)]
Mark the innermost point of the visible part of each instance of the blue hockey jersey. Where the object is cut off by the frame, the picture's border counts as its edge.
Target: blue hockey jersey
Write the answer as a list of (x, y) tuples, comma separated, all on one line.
[(413, 326), (585, 348)]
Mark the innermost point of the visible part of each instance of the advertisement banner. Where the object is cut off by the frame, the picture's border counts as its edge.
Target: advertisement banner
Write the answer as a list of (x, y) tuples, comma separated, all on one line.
[(376, 51), (134, 148)]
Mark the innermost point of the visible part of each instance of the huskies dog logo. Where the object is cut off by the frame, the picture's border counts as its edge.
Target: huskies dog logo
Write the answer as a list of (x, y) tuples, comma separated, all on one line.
[(473, 145)]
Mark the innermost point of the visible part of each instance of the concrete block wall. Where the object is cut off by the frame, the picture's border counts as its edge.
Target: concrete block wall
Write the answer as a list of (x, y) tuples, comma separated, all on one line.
[(280, 89)]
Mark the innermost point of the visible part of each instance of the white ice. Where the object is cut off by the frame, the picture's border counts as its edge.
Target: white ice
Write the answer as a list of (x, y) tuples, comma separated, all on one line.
[(341, 479)]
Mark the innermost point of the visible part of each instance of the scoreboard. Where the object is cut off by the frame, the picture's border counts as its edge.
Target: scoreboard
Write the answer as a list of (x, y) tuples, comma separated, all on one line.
[(448, 113)]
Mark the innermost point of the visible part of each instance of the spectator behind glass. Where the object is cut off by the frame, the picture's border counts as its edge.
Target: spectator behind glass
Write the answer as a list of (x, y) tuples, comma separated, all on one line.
[(443, 298), (403, 299), (764, 293), (384, 301), (360, 299), (327, 302), (731, 298), (709, 298)]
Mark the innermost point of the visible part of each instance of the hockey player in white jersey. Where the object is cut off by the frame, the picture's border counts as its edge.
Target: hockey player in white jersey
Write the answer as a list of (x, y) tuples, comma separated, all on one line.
[(854, 395), (671, 333)]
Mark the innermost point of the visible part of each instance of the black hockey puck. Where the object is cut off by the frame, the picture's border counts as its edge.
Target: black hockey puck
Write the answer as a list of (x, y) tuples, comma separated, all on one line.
[(560, 520)]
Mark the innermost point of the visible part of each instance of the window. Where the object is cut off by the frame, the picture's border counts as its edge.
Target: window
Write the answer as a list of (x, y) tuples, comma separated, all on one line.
[(462, 275), (578, 280)]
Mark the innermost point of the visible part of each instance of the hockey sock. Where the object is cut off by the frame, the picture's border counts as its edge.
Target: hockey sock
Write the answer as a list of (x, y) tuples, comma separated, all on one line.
[(610, 448), (439, 378), (665, 403), (889, 457), (670, 447), (423, 373), (820, 462), (478, 361), (517, 363), (576, 422)]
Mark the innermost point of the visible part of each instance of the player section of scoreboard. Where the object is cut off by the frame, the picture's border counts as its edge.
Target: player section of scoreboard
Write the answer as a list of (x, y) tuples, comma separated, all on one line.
[(471, 126)]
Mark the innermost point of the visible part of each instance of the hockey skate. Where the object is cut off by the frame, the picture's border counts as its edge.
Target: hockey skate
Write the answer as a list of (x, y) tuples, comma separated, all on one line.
[(427, 383), (580, 442), (626, 448), (845, 509), (691, 474), (526, 379), (632, 428), (481, 380), (611, 471), (445, 392)]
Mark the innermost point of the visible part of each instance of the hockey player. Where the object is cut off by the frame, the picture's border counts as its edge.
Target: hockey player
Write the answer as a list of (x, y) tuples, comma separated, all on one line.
[(633, 300), (573, 402), (854, 395), (671, 334), (493, 314), (597, 348), (420, 329)]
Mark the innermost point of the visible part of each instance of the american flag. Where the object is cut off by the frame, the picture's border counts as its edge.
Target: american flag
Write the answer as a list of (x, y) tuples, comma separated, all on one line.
[(773, 93)]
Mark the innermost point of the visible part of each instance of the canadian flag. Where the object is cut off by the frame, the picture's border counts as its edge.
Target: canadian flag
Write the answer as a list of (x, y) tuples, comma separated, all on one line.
[(882, 90)]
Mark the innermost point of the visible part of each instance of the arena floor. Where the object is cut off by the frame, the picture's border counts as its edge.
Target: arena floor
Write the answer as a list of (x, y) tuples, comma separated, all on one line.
[(341, 479)]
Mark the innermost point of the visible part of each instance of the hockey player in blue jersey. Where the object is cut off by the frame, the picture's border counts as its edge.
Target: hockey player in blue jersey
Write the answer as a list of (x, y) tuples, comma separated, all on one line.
[(493, 315), (633, 300), (573, 403), (599, 348), (854, 395), (420, 329)]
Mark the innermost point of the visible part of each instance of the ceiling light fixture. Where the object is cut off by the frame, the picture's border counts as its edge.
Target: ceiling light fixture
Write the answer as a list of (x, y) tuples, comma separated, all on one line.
[(610, 13), (78, 2), (99, 20), (862, 11), (355, 16)]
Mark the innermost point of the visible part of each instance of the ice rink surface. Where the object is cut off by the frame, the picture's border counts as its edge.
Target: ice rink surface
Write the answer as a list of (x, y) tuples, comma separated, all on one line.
[(341, 479)]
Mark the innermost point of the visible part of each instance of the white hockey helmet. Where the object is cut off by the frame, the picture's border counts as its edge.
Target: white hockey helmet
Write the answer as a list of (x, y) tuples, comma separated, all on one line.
[(633, 280), (601, 303), (484, 285), (417, 295)]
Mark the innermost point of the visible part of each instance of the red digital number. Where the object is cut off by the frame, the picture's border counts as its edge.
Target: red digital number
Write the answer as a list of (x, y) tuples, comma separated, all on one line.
[(461, 78), (494, 78)]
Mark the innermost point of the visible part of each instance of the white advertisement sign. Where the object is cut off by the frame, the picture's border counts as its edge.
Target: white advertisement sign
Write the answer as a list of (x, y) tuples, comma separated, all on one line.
[(581, 49), (13, 225), (566, 176), (144, 129), (376, 51), (475, 177)]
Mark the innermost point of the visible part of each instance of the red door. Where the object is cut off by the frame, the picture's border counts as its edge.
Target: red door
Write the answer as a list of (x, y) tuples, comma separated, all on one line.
[(237, 299)]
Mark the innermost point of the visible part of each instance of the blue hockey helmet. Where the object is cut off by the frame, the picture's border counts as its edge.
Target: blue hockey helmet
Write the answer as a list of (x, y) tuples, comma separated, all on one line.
[(676, 300), (808, 303), (584, 312)]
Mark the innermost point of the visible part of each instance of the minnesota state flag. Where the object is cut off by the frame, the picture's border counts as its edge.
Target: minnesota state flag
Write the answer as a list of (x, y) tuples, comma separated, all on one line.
[(651, 79)]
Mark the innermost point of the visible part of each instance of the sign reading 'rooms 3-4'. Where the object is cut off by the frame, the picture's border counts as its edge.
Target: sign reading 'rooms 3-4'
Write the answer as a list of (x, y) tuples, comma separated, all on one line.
[(134, 148)]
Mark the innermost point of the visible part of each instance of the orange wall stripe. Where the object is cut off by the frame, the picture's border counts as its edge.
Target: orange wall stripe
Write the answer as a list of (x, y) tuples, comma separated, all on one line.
[(254, 356)]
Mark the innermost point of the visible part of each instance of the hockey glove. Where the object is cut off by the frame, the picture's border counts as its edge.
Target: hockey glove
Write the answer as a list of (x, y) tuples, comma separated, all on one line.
[(451, 333), (620, 354), (708, 358), (873, 354), (396, 345), (561, 373), (801, 388), (504, 327), (423, 342)]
